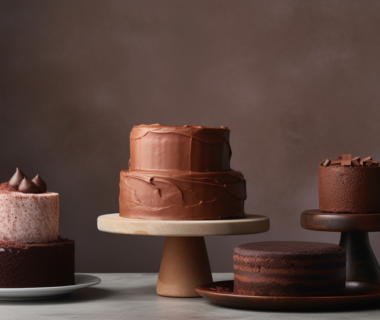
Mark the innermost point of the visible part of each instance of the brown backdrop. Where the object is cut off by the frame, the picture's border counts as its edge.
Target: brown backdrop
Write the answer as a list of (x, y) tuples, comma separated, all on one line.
[(295, 81)]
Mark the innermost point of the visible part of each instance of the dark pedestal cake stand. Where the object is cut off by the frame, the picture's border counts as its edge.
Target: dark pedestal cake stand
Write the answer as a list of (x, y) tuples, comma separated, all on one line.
[(361, 261)]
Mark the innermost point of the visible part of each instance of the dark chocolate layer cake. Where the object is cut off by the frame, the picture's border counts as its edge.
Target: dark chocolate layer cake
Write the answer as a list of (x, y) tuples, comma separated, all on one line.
[(289, 269), (44, 264)]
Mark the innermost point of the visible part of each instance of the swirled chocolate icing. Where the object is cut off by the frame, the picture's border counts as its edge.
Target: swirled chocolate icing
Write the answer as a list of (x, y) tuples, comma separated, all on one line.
[(187, 148), (181, 173)]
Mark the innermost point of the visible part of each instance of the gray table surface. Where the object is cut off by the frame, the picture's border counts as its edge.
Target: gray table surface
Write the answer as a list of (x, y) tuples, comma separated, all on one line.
[(133, 296)]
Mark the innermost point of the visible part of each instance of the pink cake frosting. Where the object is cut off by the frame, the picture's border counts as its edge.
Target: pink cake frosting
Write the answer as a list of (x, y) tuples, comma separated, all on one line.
[(28, 217)]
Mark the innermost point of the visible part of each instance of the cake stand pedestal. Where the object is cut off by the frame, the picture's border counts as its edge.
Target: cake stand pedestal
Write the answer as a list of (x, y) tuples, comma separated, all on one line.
[(361, 261), (184, 263)]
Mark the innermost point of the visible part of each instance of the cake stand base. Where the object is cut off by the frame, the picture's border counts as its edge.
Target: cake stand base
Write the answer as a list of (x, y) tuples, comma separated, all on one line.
[(361, 261), (184, 263), (361, 265), (184, 266)]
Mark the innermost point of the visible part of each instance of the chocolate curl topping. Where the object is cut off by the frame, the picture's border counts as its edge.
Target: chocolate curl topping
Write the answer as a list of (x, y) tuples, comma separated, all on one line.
[(346, 157), (27, 186), (326, 162), (16, 179), (364, 161), (347, 160), (345, 163), (40, 184), (355, 162), (371, 163)]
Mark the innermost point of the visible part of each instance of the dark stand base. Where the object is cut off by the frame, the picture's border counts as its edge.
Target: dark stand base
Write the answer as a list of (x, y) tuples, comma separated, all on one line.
[(361, 262), (362, 265)]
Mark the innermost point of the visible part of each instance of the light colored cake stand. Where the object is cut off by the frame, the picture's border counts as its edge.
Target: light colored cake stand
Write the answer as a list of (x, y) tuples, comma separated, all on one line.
[(184, 263)]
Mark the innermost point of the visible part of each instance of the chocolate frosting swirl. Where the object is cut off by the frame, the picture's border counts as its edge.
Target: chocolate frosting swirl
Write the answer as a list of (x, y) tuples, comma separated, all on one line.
[(174, 148), (16, 179), (27, 186), (40, 183)]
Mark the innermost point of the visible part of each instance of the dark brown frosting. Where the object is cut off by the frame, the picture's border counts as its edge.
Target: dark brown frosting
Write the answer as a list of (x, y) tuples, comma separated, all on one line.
[(187, 148), (27, 186), (181, 173), (16, 179), (289, 268), (40, 183)]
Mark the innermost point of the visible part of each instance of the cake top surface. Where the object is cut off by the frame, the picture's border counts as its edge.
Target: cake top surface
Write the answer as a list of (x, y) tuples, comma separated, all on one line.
[(185, 127), (346, 160), (21, 184), (17, 245), (5, 188), (287, 248), (205, 134)]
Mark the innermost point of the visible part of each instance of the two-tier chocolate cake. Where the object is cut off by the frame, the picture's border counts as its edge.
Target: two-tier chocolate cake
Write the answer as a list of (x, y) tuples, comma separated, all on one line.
[(181, 173), (350, 185), (31, 252), (289, 269)]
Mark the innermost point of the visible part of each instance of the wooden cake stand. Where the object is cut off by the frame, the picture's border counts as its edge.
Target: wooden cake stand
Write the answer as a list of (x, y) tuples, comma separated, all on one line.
[(184, 263), (361, 262)]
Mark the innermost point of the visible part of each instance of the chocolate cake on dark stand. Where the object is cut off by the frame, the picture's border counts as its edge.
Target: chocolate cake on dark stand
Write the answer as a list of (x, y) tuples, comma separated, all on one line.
[(349, 202), (292, 276), (312, 276)]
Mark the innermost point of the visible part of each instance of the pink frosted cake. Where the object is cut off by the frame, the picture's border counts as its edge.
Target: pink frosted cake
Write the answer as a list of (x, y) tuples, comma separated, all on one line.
[(31, 252)]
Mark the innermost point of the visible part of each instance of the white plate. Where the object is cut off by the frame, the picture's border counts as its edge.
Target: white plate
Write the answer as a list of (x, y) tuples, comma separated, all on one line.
[(81, 281)]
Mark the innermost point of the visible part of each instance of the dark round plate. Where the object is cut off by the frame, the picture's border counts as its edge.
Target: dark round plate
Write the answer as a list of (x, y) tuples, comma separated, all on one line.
[(358, 295)]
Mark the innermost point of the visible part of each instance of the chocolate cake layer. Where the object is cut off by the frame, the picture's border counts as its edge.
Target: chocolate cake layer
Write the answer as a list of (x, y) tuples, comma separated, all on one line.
[(187, 148), (350, 189), (289, 269), (37, 264), (181, 196)]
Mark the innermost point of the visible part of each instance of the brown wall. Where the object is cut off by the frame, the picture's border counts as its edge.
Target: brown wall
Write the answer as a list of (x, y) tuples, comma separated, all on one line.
[(295, 81)]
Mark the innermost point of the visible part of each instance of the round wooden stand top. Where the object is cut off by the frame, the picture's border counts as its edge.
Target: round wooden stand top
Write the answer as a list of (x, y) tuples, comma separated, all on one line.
[(340, 222), (183, 228)]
